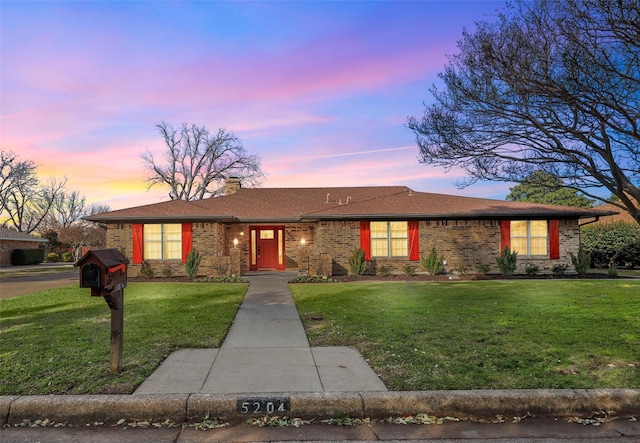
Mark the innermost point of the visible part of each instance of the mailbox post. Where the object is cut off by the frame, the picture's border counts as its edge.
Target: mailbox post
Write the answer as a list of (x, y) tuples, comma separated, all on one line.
[(104, 271)]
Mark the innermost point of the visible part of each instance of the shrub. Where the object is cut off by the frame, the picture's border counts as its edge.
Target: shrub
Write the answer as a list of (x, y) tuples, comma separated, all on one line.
[(612, 271), (612, 243), (531, 270), (482, 270), (193, 263), (221, 270), (27, 256), (630, 254), (67, 257), (581, 262), (52, 257), (432, 263), (146, 270), (383, 271), (462, 270), (167, 271), (357, 262), (559, 270), (507, 261), (309, 279), (409, 270)]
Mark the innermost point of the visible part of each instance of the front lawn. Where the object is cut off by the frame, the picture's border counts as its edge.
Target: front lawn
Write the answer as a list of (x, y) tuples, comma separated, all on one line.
[(483, 334), (58, 341)]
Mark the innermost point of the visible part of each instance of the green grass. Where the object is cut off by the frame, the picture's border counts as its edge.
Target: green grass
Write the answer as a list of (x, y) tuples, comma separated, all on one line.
[(58, 341), (514, 334)]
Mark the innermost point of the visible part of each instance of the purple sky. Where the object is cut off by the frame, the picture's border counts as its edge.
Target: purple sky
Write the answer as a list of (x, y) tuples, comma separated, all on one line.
[(319, 90)]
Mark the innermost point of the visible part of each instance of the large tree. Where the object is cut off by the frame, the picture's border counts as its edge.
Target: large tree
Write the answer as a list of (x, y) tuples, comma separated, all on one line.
[(25, 202), (197, 162), (543, 187), (552, 86)]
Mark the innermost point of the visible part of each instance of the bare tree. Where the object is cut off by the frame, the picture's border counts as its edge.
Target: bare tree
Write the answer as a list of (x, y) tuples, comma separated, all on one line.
[(77, 236), (197, 162), (15, 177), (551, 86), (67, 209), (25, 201)]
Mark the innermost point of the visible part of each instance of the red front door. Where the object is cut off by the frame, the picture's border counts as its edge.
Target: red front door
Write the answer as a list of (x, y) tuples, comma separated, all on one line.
[(267, 247)]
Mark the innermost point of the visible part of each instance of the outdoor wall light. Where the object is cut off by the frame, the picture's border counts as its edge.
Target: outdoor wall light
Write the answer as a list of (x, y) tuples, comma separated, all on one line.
[(302, 242), (235, 242)]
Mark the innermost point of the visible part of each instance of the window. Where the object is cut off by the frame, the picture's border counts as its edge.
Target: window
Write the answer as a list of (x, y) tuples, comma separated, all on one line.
[(389, 239), (267, 234), (529, 237), (163, 242)]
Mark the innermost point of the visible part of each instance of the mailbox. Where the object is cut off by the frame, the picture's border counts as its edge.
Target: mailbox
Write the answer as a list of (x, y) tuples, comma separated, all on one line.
[(103, 270), (90, 276)]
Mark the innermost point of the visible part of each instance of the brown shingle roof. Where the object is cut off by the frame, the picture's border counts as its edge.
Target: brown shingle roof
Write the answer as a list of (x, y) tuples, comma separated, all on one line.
[(621, 216), (256, 205)]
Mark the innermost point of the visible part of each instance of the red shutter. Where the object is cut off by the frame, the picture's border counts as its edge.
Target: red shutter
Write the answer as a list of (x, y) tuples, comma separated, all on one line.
[(414, 240), (138, 243), (505, 234), (187, 240), (554, 239), (365, 239)]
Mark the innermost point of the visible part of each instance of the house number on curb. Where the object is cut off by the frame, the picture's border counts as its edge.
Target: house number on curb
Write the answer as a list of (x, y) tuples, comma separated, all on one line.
[(263, 405)]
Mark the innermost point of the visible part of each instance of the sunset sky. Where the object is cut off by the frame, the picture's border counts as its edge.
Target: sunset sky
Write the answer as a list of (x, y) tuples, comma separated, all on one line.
[(321, 91)]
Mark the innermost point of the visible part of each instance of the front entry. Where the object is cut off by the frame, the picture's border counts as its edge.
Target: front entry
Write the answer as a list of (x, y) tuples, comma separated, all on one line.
[(267, 248)]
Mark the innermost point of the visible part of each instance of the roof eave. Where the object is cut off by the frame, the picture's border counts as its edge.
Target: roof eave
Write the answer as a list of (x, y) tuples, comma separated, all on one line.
[(37, 240), (162, 218), (459, 216), (267, 220)]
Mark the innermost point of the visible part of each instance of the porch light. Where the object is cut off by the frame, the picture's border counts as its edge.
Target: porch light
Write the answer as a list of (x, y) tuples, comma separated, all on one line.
[(235, 242), (302, 242)]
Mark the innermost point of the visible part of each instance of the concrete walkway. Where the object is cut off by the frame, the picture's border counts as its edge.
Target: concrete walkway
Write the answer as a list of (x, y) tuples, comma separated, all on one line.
[(266, 350)]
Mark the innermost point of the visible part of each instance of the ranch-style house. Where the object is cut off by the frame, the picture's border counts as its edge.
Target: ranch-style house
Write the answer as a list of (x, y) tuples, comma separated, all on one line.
[(316, 230)]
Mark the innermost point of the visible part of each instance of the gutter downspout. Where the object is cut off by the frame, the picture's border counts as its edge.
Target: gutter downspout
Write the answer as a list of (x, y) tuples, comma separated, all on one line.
[(592, 221)]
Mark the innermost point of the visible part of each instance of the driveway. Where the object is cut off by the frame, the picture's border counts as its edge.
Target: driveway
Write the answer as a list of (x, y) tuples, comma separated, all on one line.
[(13, 287)]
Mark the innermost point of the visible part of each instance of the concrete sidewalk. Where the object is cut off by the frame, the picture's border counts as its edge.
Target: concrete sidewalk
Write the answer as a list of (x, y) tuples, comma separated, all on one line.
[(266, 350)]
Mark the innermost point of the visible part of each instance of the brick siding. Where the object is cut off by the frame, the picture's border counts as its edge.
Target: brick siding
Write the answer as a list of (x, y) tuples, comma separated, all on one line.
[(465, 244), (7, 247)]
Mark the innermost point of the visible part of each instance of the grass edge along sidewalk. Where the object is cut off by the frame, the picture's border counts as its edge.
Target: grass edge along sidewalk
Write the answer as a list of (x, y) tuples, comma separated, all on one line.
[(170, 316), (58, 341), (509, 334)]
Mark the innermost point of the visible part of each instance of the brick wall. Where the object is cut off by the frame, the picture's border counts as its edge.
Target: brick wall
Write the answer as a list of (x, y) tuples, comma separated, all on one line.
[(7, 246), (208, 238), (465, 244)]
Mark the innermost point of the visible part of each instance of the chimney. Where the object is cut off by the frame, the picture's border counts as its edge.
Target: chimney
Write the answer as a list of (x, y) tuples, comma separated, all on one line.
[(231, 185)]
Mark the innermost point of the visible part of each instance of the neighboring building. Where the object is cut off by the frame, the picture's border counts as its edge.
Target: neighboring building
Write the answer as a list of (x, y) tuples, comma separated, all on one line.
[(621, 216), (317, 229), (11, 239)]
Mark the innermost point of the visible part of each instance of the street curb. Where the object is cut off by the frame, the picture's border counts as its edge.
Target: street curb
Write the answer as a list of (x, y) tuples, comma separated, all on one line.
[(181, 408)]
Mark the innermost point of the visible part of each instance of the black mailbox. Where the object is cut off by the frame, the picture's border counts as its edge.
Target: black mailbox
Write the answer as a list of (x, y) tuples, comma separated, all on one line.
[(103, 270), (90, 276)]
